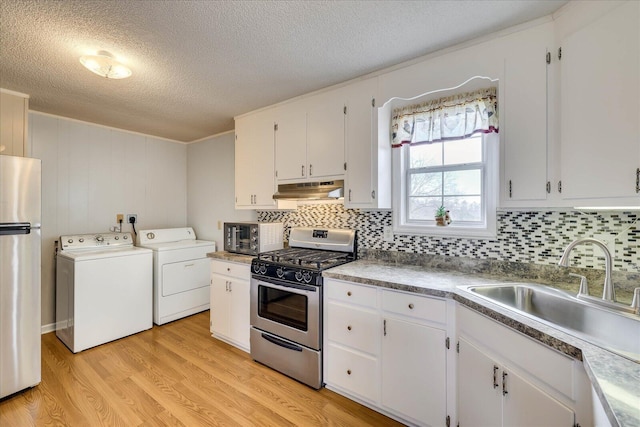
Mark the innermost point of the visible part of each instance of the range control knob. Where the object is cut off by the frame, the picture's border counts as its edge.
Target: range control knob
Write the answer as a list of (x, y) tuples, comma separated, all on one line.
[(81, 240), (306, 276), (299, 276), (280, 272), (263, 269), (256, 268), (116, 238)]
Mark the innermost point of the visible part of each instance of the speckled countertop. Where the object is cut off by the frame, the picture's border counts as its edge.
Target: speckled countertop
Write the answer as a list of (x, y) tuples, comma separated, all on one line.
[(228, 256), (615, 379)]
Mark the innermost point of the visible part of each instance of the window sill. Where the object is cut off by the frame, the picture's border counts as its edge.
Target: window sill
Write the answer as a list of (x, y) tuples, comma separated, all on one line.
[(448, 231)]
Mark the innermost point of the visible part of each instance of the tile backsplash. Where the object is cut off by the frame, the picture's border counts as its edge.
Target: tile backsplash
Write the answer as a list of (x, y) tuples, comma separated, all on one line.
[(537, 237)]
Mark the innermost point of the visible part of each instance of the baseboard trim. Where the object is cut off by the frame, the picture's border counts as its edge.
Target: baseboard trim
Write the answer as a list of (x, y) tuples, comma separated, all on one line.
[(45, 329)]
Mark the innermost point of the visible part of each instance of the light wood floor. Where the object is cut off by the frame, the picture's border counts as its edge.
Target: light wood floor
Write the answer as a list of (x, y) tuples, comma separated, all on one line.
[(177, 375)]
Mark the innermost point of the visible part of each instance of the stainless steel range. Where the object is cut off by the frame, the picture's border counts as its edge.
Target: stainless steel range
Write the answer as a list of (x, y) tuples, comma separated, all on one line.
[(286, 300)]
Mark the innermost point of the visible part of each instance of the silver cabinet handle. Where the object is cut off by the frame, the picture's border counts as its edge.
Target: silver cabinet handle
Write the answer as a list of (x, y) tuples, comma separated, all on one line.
[(638, 180), (504, 384), (510, 189), (302, 170), (310, 170), (349, 194), (495, 377), (373, 194)]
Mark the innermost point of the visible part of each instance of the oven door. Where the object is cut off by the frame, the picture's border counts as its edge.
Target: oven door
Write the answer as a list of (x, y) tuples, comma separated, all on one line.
[(289, 310)]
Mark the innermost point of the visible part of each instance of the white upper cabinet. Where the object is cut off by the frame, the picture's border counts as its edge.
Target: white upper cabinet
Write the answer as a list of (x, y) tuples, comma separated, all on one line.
[(325, 135), (368, 158), (600, 105), (310, 138), (14, 110), (291, 141), (254, 161), (523, 112)]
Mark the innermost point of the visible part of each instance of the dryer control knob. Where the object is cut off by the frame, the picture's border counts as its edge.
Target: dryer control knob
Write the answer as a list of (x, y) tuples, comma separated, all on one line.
[(151, 236), (99, 239), (80, 240), (125, 237), (70, 241)]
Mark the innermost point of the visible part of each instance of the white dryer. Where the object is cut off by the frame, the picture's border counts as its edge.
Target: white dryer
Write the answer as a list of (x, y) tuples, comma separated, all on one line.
[(181, 272), (104, 288)]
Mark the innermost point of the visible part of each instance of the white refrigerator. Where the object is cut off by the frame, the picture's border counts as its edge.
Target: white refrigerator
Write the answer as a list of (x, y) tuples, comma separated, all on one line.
[(20, 243)]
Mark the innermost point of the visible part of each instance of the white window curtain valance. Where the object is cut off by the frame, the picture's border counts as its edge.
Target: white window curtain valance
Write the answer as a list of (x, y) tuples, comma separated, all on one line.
[(453, 117)]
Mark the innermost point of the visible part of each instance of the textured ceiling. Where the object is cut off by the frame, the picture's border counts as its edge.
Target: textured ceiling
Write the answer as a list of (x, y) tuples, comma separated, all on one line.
[(196, 64)]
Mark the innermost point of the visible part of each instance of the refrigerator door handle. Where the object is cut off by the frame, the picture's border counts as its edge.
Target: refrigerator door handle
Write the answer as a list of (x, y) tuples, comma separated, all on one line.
[(15, 228)]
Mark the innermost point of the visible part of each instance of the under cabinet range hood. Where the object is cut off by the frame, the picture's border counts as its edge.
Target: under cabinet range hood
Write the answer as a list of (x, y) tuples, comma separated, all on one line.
[(311, 191)]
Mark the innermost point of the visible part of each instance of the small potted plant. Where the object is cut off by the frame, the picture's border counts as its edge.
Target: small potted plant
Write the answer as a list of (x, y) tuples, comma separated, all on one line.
[(442, 217)]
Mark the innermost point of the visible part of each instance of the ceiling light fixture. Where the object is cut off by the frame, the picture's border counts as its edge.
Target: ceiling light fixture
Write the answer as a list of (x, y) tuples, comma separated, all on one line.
[(103, 64)]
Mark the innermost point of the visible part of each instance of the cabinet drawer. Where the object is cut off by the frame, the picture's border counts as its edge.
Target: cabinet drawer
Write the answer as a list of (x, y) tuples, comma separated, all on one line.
[(240, 271), (353, 372), (351, 293), (416, 306), (353, 327)]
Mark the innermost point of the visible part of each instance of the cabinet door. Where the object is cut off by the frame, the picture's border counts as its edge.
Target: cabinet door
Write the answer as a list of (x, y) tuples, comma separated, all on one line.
[(239, 312), (479, 392), (600, 105), (361, 171), (524, 115), (524, 405), (325, 135), (414, 371), (291, 142), (254, 161), (219, 305)]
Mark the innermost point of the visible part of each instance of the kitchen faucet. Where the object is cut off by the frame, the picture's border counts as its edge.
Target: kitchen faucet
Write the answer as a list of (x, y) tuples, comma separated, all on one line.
[(608, 293)]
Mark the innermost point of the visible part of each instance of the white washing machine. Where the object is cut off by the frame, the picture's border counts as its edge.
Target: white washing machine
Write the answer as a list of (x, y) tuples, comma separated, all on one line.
[(104, 288), (181, 272)]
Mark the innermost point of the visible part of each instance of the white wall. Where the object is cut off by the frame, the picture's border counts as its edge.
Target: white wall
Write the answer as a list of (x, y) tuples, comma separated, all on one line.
[(210, 187), (90, 173)]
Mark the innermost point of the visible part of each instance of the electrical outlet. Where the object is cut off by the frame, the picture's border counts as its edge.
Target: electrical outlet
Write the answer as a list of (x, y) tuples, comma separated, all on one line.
[(387, 233), (132, 218), (219, 225), (609, 241), (119, 218)]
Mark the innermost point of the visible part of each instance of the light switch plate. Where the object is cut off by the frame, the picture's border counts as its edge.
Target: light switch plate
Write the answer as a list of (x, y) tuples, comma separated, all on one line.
[(387, 233)]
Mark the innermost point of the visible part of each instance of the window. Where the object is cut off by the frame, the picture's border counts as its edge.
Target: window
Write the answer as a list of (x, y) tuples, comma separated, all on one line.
[(457, 172)]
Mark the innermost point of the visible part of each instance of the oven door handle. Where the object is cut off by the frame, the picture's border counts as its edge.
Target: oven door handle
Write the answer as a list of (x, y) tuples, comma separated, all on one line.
[(272, 282), (281, 343)]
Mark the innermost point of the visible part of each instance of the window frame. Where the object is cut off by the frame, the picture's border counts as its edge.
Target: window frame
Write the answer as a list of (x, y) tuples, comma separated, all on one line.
[(486, 229)]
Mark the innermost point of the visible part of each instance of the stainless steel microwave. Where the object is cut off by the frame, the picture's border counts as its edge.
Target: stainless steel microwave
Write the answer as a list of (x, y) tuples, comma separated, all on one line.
[(252, 238)]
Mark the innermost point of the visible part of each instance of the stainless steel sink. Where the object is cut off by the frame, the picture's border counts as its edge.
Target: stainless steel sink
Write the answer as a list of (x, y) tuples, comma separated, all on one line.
[(616, 332)]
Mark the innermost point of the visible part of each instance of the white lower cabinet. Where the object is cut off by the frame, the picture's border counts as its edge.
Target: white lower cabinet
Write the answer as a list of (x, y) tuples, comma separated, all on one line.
[(507, 379), (387, 349), (492, 394), (414, 379), (230, 302)]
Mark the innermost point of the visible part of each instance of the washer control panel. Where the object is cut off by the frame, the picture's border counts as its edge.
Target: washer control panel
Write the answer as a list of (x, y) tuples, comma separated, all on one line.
[(95, 241)]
